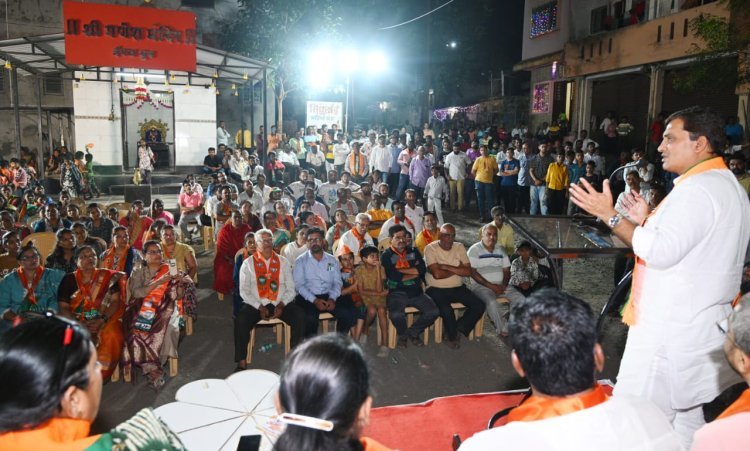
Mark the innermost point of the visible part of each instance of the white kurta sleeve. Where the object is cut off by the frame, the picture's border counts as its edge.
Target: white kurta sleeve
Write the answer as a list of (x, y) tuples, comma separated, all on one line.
[(248, 284)]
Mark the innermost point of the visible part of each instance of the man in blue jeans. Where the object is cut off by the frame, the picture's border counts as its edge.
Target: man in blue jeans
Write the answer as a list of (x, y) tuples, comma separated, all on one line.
[(538, 165)]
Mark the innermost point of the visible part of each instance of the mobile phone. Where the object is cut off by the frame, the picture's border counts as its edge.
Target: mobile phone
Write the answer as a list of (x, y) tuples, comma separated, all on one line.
[(249, 443), (172, 267)]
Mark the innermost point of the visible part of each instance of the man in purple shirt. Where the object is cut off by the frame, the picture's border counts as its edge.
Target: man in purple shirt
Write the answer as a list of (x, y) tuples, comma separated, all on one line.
[(419, 171)]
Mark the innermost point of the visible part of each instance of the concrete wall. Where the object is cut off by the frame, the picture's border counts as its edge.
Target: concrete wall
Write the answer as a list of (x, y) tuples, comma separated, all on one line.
[(662, 39), (550, 42)]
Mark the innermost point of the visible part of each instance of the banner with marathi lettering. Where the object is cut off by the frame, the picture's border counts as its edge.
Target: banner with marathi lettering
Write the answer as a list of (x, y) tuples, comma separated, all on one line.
[(328, 113), (125, 36)]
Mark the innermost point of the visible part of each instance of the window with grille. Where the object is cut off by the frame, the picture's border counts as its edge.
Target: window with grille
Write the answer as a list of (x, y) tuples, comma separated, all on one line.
[(53, 85)]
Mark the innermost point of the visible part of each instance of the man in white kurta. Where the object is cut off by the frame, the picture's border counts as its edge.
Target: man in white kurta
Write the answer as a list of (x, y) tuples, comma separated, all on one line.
[(356, 238), (690, 253)]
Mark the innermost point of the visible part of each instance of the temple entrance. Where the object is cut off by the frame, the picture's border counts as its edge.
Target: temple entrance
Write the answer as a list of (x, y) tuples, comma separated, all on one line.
[(148, 116)]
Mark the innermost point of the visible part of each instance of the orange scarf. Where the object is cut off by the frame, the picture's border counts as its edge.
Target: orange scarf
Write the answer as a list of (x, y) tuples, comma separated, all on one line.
[(741, 405), (538, 408), (287, 223), (337, 231), (357, 164), (147, 312), (407, 220), (113, 261), (30, 285), (267, 276), (402, 262), (135, 230), (360, 238), (630, 311), (87, 295)]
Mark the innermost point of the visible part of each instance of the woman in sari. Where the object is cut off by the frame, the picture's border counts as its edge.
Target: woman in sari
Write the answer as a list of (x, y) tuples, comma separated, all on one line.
[(28, 288), (155, 315), (231, 239), (120, 256), (63, 256), (285, 220), (137, 224), (240, 258), (95, 298), (182, 254)]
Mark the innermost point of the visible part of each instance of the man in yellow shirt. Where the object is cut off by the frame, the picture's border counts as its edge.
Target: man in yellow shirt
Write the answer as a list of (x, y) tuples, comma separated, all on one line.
[(557, 185), (378, 215), (505, 237), (484, 170)]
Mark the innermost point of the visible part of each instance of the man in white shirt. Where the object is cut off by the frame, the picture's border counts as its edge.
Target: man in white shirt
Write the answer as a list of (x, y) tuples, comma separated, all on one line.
[(398, 218), (689, 257), (491, 276), (553, 336), (340, 151), (250, 195), (267, 291), (645, 171), (354, 239), (297, 247), (222, 134), (456, 163), (592, 155), (297, 189), (329, 190), (380, 159)]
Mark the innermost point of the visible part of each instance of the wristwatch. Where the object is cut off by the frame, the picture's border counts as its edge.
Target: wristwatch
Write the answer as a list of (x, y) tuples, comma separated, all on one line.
[(614, 220)]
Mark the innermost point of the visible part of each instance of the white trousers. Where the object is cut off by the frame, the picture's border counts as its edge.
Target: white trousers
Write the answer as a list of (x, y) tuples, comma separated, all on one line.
[(436, 206)]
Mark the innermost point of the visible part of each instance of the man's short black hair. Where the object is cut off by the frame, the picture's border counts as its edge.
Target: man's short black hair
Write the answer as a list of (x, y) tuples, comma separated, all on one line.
[(395, 229), (367, 251), (700, 121), (553, 335)]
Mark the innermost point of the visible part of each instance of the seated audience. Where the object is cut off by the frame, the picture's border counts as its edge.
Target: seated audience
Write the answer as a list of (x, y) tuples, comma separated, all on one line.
[(121, 256), (28, 288), (326, 384), (491, 278), (80, 230), (429, 233), (340, 226), (190, 203), (355, 239), (51, 387), (51, 220), (63, 255), (280, 236), (398, 218), (96, 299), (182, 254), (317, 279), (9, 258), (447, 265), (157, 211), (525, 273), (505, 236), (137, 223), (404, 270), (267, 291), (239, 258), (371, 279), (231, 239), (297, 247), (154, 315), (553, 336)]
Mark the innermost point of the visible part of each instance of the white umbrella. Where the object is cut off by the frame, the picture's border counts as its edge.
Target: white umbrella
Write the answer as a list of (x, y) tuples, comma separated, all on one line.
[(212, 414)]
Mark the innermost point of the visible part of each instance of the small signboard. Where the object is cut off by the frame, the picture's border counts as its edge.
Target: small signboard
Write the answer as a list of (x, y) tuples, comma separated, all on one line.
[(328, 113)]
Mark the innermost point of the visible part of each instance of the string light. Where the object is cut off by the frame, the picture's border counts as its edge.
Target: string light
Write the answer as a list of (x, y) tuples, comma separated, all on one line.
[(540, 101), (8, 65), (234, 87), (245, 76), (543, 19)]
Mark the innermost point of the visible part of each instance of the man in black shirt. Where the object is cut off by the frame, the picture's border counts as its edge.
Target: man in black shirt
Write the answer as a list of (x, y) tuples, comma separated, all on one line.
[(212, 162), (405, 270)]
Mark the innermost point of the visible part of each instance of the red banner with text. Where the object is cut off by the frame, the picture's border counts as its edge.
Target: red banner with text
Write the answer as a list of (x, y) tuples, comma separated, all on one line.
[(126, 36)]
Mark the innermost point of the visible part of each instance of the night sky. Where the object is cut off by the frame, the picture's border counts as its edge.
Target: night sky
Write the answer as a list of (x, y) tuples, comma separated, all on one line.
[(487, 35)]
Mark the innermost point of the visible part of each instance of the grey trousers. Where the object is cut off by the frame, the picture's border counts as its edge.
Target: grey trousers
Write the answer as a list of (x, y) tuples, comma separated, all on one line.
[(497, 310)]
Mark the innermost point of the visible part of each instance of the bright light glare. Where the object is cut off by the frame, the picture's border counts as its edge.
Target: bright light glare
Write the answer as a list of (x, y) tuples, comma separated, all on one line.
[(377, 62), (453, 44), (349, 61), (318, 76)]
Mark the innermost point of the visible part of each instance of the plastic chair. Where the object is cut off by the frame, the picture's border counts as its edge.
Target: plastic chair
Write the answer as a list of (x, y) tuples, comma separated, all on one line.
[(43, 241)]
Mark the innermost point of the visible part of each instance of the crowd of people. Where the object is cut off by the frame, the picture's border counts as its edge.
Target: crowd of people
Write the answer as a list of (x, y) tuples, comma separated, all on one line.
[(351, 226)]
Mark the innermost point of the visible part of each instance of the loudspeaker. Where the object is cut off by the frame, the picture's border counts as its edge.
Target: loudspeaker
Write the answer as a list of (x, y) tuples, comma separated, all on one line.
[(138, 192)]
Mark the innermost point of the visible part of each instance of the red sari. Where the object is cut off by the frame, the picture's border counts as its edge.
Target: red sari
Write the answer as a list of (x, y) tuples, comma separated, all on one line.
[(230, 240)]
